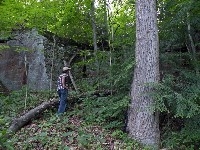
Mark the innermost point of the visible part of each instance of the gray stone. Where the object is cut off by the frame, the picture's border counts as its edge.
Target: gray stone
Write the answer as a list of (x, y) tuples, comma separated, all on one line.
[(28, 44)]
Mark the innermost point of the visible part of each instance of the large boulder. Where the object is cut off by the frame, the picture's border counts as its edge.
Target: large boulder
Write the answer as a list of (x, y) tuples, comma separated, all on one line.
[(23, 63)]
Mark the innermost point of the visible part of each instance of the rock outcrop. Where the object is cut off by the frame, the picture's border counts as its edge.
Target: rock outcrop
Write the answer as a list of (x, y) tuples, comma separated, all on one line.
[(24, 62)]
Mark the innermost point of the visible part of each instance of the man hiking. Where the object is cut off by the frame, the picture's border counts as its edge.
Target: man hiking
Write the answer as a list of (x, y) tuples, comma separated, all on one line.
[(62, 89)]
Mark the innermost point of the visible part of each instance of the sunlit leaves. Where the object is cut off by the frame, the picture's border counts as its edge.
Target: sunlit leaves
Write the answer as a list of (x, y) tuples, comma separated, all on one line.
[(173, 20), (69, 19)]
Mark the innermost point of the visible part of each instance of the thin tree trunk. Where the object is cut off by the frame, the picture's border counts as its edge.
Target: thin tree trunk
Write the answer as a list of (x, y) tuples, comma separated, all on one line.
[(95, 38), (143, 123), (71, 77), (110, 35), (110, 58), (106, 12), (52, 62), (73, 82), (94, 26), (192, 45), (26, 74)]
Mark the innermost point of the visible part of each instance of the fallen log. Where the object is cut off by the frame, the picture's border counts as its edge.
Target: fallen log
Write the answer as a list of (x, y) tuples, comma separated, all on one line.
[(18, 123)]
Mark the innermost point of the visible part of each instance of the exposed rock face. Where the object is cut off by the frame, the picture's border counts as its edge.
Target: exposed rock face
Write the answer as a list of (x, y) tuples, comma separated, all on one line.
[(12, 69), (26, 49)]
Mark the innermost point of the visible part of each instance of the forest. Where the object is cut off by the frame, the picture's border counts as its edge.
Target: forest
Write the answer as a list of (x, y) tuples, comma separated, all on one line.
[(134, 82)]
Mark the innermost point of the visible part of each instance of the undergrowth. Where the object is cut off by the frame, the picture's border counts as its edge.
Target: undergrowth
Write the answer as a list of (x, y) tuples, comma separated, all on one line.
[(178, 100), (96, 121), (91, 124)]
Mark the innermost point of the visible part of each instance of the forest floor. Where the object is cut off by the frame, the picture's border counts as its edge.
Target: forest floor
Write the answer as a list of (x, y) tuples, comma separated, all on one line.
[(70, 132)]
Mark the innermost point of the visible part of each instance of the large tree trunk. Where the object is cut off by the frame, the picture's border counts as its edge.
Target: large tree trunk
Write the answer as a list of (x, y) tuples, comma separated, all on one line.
[(143, 123)]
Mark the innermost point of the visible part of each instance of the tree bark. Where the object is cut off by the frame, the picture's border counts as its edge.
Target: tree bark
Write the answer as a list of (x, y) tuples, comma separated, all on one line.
[(26, 75), (143, 123), (52, 62), (70, 75), (94, 26), (106, 12), (193, 48), (94, 31), (18, 123)]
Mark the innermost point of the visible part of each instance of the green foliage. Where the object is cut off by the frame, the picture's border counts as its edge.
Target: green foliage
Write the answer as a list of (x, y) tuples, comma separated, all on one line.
[(173, 23), (43, 135), (70, 19), (116, 76), (104, 109), (11, 106), (68, 131), (3, 47), (122, 72), (187, 139), (14, 102), (62, 18), (108, 111), (179, 95), (50, 130), (4, 142), (122, 23), (65, 132)]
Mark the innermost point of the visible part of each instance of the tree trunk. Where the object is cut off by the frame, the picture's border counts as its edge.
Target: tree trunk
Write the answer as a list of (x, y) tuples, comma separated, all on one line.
[(18, 123), (26, 75), (143, 123), (94, 31), (193, 48), (94, 26), (52, 61), (106, 12), (70, 75)]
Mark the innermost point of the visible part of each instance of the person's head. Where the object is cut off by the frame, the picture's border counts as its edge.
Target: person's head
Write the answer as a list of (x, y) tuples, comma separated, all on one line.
[(66, 69)]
